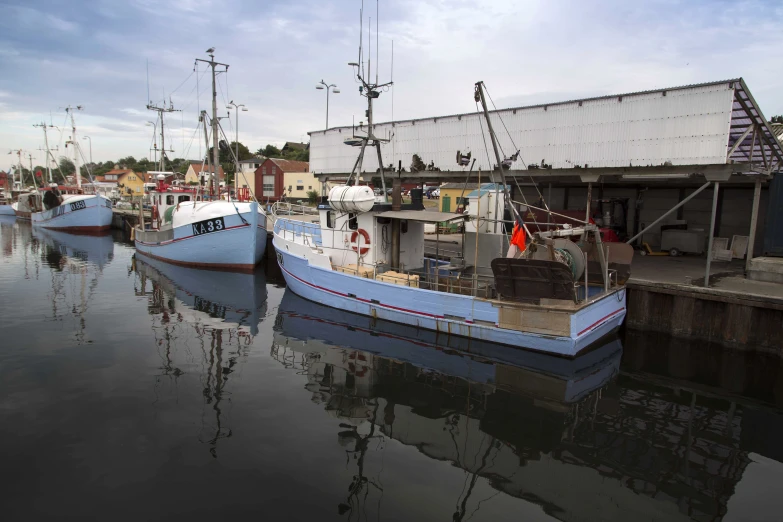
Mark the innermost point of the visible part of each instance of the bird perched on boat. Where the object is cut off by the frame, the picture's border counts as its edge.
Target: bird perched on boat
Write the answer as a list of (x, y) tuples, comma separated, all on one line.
[(210, 50)]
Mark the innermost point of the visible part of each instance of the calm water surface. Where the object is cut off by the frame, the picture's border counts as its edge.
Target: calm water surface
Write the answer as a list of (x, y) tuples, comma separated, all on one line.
[(135, 390)]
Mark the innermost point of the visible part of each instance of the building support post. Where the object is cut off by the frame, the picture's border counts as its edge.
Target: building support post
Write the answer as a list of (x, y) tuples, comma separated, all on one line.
[(754, 218), (711, 232), (589, 202)]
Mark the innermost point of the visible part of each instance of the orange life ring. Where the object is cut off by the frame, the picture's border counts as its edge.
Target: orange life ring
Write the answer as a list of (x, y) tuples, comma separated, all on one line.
[(355, 236)]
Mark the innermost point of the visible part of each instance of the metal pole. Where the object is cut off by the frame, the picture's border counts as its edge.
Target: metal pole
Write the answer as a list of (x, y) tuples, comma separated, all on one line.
[(675, 207), (480, 90), (327, 108), (754, 217), (162, 146), (589, 201), (712, 232)]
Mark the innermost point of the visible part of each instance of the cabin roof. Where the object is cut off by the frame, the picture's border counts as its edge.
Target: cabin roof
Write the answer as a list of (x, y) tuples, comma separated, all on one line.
[(485, 187), (423, 216)]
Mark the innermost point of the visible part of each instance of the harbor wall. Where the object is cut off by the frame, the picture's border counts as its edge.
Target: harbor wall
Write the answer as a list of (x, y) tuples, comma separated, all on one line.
[(752, 323)]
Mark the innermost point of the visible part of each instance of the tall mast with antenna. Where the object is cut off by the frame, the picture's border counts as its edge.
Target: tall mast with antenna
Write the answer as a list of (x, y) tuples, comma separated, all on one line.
[(370, 90), (215, 149), (161, 111)]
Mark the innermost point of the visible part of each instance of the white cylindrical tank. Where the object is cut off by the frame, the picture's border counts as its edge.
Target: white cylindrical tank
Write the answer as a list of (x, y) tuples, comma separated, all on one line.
[(357, 198)]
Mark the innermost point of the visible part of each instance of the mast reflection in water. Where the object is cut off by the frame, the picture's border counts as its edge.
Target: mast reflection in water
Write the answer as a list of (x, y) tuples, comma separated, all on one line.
[(570, 436), (222, 308)]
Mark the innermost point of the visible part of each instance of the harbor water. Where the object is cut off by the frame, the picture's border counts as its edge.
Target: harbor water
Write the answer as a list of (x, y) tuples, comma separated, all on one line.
[(131, 389)]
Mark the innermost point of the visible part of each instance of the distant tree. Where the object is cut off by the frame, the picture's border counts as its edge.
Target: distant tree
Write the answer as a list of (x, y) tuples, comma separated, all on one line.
[(312, 197), (128, 162), (776, 119), (270, 151), (296, 154), (66, 166), (376, 182)]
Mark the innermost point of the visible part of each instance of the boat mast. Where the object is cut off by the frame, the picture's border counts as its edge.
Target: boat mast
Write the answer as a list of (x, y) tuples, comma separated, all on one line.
[(75, 144), (161, 111), (215, 149), (479, 95), (370, 91), (43, 125)]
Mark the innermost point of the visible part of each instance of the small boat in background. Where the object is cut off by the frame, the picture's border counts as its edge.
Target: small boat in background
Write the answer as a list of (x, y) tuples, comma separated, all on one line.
[(68, 210), (5, 205)]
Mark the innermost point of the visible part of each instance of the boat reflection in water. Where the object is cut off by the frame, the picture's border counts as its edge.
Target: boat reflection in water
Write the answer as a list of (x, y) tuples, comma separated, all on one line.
[(579, 439), (473, 409), (222, 310), (62, 248)]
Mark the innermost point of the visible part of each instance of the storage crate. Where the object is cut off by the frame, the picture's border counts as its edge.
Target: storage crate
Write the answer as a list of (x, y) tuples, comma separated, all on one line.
[(360, 271), (398, 279)]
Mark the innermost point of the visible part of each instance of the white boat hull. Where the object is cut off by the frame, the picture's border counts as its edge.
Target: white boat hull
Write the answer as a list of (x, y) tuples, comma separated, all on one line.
[(451, 314), (239, 245), (78, 214)]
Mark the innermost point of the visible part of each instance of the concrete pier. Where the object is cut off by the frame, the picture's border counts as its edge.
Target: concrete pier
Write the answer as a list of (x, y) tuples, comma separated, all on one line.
[(664, 295)]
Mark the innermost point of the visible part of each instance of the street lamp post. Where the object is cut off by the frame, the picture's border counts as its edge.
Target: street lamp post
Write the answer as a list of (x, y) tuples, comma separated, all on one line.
[(90, 140), (236, 140), (329, 87)]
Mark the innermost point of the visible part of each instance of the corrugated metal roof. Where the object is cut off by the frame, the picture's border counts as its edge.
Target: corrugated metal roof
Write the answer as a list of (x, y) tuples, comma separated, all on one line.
[(688, 125)]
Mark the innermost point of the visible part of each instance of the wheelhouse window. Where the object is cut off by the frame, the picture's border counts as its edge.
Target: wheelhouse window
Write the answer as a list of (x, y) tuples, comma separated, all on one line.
[(353, 223), (169, 200), (330, 219), (184, 198)]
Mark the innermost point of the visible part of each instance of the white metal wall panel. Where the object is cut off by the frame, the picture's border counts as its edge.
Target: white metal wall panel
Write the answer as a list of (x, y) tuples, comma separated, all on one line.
[(687, 126)]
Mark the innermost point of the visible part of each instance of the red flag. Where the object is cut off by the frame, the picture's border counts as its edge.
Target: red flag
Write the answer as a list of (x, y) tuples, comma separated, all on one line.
[(518, 237)]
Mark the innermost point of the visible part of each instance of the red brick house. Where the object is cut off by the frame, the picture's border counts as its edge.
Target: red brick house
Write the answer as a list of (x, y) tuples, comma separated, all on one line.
[(5, 181), (270, 177)]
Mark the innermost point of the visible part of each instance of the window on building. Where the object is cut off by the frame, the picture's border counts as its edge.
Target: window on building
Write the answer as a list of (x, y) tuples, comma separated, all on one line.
[(269, 186), (263, 171), (309, 187), (273, 169), (300, 187)]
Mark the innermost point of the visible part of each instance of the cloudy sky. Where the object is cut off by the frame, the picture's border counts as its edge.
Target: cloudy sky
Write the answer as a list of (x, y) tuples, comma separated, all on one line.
[(95, 53)]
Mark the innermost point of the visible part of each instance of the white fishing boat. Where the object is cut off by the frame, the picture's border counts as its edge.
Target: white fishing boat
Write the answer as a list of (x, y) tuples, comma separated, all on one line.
[(196, 227), (368, 258), (190, 229), (77, 213)]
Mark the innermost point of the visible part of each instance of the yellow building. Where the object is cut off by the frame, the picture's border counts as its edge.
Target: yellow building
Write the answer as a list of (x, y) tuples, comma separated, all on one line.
[(298, 184), (129, 183), (450, 194), (198, 173)]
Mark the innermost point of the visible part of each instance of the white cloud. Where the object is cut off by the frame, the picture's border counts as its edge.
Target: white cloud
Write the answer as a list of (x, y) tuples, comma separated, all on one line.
[(527, 51)]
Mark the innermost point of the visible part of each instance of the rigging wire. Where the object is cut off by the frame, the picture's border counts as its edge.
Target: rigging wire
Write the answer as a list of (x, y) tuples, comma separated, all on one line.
[(183, 83), (540, 195)]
